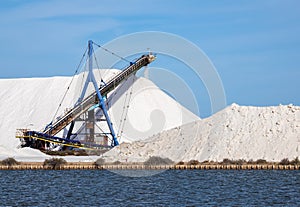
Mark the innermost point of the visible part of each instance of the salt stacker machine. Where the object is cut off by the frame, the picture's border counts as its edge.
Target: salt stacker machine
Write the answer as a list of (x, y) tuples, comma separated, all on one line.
[(46, 140)]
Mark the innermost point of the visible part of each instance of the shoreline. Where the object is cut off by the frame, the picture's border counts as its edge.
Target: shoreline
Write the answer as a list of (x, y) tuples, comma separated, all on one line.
[(92, 166)]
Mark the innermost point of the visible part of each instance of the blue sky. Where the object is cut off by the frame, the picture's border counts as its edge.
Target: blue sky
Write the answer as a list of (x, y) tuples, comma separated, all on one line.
[(254, 44)]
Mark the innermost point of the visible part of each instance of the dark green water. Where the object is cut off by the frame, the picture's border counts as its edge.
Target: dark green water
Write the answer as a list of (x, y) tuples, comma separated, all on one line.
[(170, 188)]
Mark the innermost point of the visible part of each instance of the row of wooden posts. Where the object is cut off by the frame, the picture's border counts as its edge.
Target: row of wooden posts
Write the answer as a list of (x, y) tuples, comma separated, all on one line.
[(85, 166)]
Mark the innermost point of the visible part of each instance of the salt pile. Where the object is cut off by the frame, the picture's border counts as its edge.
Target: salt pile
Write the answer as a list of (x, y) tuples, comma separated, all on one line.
[(237, 132), (32, 102)]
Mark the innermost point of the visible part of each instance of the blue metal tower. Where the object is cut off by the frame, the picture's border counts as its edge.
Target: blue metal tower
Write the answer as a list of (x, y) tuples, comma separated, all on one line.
[(43, 140), (91, 79)]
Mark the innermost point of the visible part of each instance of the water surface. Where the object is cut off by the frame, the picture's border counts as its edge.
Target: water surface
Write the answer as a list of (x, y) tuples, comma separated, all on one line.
[(170, 188)]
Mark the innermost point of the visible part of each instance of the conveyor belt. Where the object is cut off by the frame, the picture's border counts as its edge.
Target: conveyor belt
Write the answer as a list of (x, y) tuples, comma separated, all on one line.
[(92, 99)]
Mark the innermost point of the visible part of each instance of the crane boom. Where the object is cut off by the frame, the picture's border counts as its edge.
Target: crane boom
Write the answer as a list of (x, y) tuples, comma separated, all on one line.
[(92, 99), (43, 140)]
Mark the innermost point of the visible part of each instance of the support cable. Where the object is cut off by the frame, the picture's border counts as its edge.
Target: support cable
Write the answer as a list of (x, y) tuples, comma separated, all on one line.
[(82, 81), (125, 109), (98, 68), (107, 50), (64, 96)]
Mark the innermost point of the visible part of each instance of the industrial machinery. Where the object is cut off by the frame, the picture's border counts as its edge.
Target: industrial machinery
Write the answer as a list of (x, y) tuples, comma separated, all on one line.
[(47, 139)]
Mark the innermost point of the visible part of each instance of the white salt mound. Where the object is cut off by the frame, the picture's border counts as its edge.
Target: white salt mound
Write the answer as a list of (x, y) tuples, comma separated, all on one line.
[(237, 132), (157, 125), (32, 102)]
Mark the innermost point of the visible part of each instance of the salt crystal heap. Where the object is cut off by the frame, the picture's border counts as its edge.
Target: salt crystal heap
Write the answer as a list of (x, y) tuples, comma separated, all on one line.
[(32, 103), (237, 132)]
